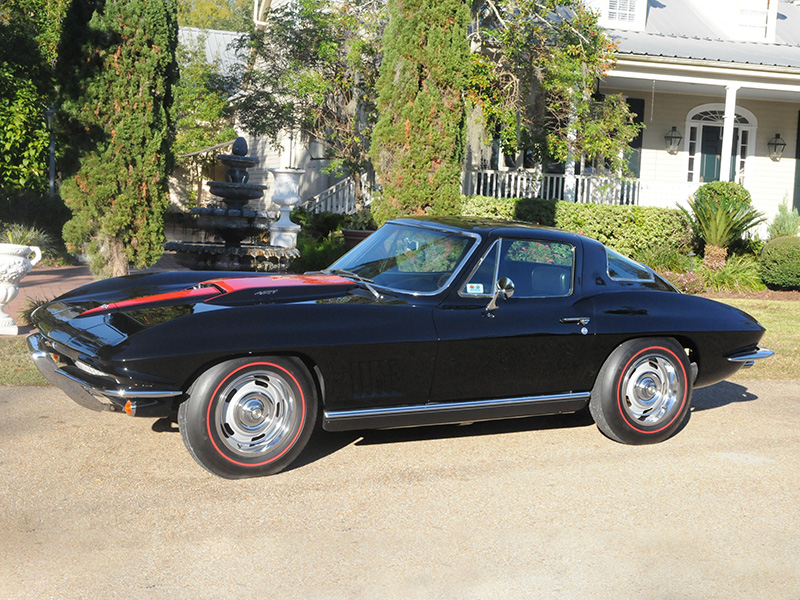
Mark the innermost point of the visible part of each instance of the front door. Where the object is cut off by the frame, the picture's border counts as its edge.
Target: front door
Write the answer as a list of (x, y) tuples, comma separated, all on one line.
[(711, 149), (711, 153), (533, 343)]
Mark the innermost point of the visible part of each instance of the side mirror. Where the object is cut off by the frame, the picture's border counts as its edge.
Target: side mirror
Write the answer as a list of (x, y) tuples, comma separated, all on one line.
[(504, 288)]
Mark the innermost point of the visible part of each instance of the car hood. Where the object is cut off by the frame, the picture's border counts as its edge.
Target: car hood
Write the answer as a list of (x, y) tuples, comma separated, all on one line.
[(105, 312)]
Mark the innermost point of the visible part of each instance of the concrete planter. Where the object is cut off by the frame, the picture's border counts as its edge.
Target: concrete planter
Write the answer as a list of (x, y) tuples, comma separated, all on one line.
[(16, 261), (283, 232)]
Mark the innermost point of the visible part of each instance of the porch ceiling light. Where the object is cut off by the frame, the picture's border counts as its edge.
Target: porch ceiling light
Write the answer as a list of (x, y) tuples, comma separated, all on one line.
[(673, 140), (776, 147)]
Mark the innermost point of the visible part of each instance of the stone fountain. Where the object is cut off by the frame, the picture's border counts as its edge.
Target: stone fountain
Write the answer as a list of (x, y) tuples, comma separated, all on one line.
[(234, 223)]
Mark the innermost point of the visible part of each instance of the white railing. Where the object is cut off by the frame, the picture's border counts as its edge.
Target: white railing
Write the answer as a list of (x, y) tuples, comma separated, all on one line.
[(594, 189), (588, 189), (339, 198)]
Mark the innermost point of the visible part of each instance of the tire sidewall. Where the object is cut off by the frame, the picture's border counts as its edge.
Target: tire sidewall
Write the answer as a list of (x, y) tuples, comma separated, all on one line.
[(195, 417), (607, 400)]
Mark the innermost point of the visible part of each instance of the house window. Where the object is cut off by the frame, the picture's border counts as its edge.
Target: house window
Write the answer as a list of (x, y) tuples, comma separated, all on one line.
[(704, 135), (622, 10), (754, 19)]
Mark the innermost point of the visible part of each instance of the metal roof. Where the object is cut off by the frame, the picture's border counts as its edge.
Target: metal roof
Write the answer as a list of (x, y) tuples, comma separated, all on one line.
[(723, 51), (675, 30)]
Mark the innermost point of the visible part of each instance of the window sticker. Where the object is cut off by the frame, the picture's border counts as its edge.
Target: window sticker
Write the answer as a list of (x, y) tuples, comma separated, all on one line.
[(475, 288)]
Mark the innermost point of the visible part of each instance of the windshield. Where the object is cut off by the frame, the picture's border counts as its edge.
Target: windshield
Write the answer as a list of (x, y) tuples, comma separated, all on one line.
[(408, 259)]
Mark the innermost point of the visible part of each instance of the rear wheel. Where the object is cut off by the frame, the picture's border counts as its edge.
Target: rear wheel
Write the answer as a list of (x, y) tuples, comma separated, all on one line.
[(249, 417), (643, 391)]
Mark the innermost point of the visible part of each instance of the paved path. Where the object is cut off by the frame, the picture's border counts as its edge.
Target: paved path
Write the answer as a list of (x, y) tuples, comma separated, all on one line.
[(98, 505)]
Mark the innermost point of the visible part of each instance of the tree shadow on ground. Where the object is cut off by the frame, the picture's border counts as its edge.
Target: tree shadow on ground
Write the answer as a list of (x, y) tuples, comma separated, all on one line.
[(719, 395)]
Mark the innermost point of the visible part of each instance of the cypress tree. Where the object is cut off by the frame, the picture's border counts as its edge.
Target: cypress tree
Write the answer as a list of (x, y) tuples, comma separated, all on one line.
[(116, 74), (418, 142)]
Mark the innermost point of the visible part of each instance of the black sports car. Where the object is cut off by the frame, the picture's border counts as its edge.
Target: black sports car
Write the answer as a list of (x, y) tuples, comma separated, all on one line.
[(426, 321)]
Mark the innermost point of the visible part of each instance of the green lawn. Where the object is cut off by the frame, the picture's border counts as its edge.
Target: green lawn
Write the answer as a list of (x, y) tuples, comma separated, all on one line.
[(16, 366), (780, 317), (782, 320)]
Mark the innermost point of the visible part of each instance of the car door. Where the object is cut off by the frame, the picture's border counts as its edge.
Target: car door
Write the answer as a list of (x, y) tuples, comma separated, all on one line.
[(532, 343)]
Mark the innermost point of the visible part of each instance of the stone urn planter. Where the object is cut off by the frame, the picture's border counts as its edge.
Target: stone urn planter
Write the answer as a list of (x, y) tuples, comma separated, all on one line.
[(283, 232), (16, 261)]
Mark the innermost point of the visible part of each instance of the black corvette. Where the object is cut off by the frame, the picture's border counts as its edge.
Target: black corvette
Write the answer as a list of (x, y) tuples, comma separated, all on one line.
[(426, 321)]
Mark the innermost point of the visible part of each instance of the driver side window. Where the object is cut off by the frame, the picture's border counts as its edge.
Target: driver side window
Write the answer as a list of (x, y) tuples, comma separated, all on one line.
[(538, 268)]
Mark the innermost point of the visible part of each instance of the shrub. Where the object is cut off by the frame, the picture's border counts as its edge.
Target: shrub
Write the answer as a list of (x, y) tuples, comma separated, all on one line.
[(780, 262), (316, 254), (721, 214), (740, 274), (26, 236), (629, 230), (317, 225), (665, 256), (488, 207), (786, 223), (361, 220), (689, 282), (536, 210)]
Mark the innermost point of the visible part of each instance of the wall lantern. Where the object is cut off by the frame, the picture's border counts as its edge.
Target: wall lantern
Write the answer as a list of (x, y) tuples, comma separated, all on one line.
[(673, 140), (776, 147)]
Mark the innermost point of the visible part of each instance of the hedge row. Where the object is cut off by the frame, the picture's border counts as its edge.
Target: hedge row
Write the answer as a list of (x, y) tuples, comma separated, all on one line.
[(631, 230)]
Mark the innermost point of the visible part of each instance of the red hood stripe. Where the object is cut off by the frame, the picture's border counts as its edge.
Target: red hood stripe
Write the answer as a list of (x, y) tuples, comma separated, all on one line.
[(219, 287), (235, 284)]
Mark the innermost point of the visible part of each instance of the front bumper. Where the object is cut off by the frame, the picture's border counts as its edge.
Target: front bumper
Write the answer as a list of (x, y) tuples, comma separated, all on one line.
[(749, 357), (136, 402)]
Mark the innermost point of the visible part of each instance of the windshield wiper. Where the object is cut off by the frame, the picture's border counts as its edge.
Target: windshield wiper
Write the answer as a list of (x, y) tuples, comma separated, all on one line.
[(356, 277)]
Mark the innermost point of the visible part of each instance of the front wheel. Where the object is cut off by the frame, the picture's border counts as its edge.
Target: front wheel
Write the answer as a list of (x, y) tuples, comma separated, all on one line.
[(643, 391), (249, 417)]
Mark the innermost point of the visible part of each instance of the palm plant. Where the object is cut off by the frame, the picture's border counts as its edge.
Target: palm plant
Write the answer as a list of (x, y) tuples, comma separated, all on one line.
[(721, 214)]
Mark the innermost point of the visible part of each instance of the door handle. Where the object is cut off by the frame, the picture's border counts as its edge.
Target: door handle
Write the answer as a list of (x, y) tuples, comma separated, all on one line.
[(576, 320)]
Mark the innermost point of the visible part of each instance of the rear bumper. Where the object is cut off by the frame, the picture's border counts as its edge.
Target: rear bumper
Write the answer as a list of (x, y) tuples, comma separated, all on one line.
[(136, 402), (748, 358)]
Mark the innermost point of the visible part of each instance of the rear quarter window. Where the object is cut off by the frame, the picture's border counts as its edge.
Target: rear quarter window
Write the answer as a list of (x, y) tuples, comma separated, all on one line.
[(621, 268)]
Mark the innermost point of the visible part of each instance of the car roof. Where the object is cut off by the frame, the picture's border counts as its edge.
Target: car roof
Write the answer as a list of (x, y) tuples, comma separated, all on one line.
[(483, 226)]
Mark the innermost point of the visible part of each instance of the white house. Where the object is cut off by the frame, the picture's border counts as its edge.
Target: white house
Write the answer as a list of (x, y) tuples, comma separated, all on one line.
[(725, 74)]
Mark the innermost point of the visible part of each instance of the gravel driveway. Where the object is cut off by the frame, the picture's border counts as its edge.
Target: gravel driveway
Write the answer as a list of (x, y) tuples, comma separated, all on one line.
[(104, 506)]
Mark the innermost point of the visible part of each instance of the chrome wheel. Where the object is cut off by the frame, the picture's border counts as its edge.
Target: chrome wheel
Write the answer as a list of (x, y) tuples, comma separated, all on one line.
[(249, 416), (258, 414), (650, 389), (643, 392)]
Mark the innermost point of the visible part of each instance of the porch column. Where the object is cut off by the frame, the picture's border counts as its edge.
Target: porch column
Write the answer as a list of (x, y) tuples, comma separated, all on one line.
[(727, 132), (570, 181)]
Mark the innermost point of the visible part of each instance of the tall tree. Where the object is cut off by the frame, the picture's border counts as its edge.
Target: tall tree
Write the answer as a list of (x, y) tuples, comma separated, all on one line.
[(418, 145), (314, 68), (535, 74), (116, 74)]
